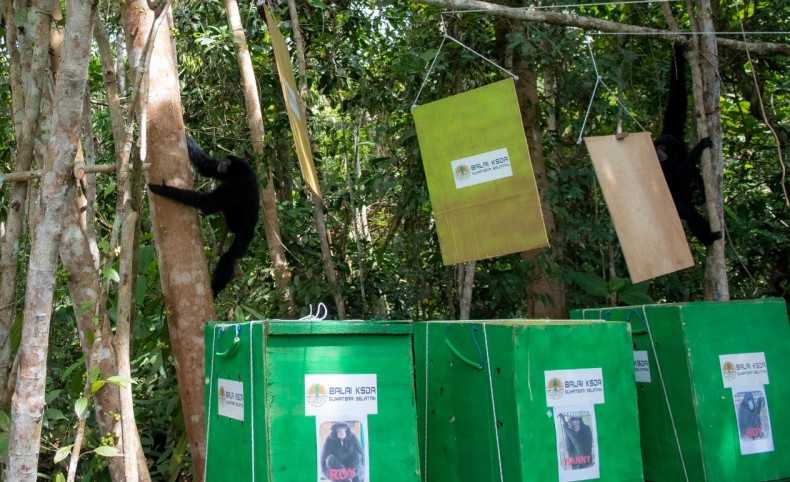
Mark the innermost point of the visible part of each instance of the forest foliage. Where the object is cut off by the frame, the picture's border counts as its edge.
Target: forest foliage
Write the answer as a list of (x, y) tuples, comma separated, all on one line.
[(366, 60)]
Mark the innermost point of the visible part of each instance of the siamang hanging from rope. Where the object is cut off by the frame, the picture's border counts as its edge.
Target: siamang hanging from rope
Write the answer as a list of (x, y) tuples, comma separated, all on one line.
[(681, 167), (236, 198)]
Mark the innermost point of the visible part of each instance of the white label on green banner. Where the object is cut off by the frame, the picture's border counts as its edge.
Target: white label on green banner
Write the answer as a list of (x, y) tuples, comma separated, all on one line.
[(342, 449), (641, 366), (231, 399), (743, 369), (480, 168), (754, 421), (577, 443), (574, 387), (340, 394)]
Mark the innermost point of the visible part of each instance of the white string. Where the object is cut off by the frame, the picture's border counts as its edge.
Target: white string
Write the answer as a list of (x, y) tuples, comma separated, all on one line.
[(445, 37), (210, 401), (425, 79), (664, 390), (493, 405), (481, 56), (425, 438), (320, 313), (599, 80), (252, 404)]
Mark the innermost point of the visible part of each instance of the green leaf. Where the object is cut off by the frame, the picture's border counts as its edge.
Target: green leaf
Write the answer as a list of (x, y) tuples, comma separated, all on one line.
[(636, 295), (590, 283), (107, 451), (81, 406), (4, 444), (62, 453), (97, 385), (52, 395), (5, 422), (616, 284), (112, 275), (54, 414), (59, 477), (120, 381)]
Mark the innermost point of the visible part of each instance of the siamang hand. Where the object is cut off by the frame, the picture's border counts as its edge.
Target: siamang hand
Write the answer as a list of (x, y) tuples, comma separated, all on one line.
[(706, 143)]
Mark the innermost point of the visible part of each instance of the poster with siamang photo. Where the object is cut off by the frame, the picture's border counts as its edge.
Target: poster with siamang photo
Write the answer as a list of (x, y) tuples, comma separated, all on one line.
[(342, 450), (577, 443), (754, 422)]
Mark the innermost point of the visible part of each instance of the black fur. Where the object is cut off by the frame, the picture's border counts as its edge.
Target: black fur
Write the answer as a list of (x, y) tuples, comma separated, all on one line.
[(681, 167), (236, 198)]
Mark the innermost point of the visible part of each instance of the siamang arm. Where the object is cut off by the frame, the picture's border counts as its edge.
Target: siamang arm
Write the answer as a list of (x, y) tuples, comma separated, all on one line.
[(205, 164), (200, 200), (677, 98)]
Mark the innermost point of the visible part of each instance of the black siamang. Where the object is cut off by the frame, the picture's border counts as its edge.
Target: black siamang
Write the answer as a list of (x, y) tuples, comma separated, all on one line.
[(236, 198), (681, 167)]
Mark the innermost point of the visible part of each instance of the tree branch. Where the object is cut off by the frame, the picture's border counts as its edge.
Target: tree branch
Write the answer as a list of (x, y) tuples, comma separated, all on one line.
[(590, 23), (24, 176)]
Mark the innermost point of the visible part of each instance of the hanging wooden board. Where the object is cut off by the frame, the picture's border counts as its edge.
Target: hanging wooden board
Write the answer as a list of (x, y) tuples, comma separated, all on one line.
[(294, 104), (641, 205), (480, 179)]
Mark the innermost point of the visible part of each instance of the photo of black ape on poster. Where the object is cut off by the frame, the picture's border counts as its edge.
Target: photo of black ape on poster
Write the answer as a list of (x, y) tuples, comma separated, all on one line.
[(343, 451), (577, 444), (754, 422)]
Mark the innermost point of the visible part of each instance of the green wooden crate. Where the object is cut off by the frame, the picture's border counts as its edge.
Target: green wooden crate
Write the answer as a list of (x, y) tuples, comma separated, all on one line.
[(470, 374), (298, 401), (691, 425)]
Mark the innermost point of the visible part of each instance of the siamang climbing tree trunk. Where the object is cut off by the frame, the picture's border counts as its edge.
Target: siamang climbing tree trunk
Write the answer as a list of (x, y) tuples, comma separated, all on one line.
[(704, 61), (27, 406), (27, 78), (271, 219), (182, 262)]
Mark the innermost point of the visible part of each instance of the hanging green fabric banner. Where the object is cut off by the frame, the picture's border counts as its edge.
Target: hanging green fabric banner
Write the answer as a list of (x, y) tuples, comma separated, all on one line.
[(482, 187)]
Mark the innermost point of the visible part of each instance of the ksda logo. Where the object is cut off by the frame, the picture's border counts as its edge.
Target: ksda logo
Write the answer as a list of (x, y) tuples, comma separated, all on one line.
[(555, 389), (728, 370), (462, 171), (317, 395)]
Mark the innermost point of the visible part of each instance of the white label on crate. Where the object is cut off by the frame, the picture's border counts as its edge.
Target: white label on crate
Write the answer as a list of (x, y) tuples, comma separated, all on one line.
[(480, 168), (231, 399), (641, 366), (743, 369), (340, 394), (577, 443), (342, 449), (574, 387), (754, 421)]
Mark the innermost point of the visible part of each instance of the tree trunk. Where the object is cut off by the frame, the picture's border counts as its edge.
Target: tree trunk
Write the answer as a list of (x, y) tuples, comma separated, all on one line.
[(28, 402), (466, 283), (271, 220), (546, 292), (182, 263), (27, 86), (704, 61), (123, 342)]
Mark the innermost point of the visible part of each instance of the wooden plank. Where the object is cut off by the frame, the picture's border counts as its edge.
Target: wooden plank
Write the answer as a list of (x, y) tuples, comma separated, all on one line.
[(644, 215)]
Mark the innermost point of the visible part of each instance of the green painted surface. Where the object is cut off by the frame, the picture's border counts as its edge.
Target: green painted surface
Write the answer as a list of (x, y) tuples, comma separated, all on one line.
[(689, 337), (285, 439), (455, 407)]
